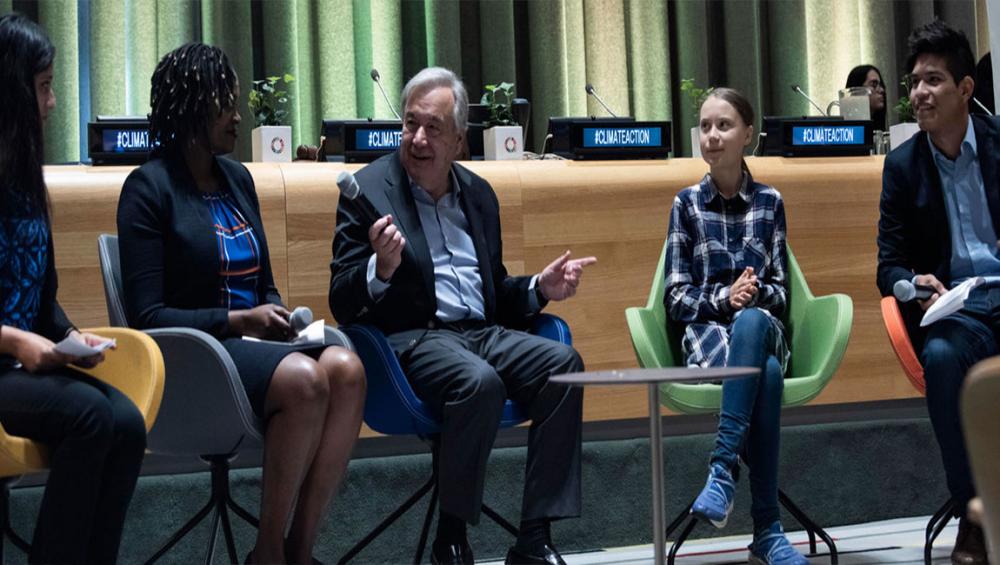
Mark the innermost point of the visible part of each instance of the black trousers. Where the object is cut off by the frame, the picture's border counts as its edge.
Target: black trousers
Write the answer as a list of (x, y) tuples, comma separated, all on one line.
[(953, 345), (96, 438), (466, 375)]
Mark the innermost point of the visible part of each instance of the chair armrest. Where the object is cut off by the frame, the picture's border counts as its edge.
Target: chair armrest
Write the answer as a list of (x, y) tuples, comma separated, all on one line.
[(135, 368), (649, 338), (335, 337), (552, 327), (205, 409), (901, 344), (391, 406), (818, 346)]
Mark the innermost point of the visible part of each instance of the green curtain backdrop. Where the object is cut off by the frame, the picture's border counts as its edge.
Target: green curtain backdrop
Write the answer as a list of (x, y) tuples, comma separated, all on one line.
[(634, 52)]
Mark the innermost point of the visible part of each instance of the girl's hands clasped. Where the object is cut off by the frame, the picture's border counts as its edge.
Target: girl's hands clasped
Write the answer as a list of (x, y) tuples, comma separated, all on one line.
[(743, 290)]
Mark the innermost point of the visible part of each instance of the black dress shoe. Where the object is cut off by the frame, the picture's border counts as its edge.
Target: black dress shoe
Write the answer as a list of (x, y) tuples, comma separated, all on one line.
[(970, 546), (547, 556), (454, 554)]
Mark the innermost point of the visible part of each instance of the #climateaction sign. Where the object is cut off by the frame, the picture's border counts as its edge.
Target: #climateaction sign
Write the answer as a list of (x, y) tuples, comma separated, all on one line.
[(828, 135)]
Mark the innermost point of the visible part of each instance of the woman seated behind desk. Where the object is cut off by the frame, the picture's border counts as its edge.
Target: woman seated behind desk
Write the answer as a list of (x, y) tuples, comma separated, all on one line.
[(193, 254), (726, 281)]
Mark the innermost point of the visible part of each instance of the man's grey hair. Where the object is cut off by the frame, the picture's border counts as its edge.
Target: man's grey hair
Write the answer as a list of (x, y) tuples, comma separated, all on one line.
[(434, 77)]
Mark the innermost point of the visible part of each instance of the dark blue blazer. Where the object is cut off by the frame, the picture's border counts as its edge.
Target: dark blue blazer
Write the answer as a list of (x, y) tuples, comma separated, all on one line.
[(169, 251), (410, 302), (913, 233)]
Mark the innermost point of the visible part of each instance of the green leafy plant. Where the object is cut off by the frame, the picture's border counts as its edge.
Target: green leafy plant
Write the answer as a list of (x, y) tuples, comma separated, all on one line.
[(269, 100), (904, 108), (498, 98), (696, 95)]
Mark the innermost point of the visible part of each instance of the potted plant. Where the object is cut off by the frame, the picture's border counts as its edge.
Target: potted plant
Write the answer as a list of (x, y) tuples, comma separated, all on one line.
[(696, 97), (272, 140), (907, 126), (503, 138)]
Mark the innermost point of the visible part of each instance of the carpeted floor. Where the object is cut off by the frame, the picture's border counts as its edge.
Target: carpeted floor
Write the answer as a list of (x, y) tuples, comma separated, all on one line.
[(842, 473)]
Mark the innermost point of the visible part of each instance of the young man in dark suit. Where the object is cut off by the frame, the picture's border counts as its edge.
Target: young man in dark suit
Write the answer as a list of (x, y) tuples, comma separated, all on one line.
[(940, 217), (429, 273)]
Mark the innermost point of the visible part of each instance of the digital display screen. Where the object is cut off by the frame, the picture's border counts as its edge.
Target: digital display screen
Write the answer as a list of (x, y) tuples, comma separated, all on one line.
[(372, 139), (827, 135), (622, 137), (125, 140)]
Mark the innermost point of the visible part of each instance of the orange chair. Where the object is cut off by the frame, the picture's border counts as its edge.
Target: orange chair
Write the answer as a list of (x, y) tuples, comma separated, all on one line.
[(903, 347)]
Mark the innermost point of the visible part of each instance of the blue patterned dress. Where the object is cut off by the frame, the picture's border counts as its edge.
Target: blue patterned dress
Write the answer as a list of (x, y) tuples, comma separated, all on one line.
[(239, 253), (24, 244)]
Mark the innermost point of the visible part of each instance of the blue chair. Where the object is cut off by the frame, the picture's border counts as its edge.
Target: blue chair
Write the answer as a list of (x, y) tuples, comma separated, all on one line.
[(392, 408)]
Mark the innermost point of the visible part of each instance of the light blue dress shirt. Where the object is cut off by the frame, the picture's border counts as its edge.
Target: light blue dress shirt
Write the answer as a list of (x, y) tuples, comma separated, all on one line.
[(458, 284), (973, 239)]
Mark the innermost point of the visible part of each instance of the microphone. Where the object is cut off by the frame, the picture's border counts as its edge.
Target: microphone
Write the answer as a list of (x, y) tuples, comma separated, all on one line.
[(590, 90), (349, 188), (905, 291), (376, 77), (982, 107), (300, 318), (803, 94)]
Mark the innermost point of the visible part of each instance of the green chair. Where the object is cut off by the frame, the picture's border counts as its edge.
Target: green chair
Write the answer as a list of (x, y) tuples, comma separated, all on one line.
[(818, 329)]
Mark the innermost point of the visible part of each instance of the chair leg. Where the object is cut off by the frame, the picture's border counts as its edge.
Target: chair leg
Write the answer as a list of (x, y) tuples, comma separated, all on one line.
[(6, 530), (676, 546), (403, 509), (935, 526), (220, 500), (811, 527), (500, 520), (426, 528)]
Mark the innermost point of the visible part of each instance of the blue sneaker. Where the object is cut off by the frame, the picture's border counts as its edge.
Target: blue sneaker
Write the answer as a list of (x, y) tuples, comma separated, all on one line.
[(771, 547), (715, 502)]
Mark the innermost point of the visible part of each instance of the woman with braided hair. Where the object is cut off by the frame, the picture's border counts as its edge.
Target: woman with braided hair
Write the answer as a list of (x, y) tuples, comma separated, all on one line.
[(194, 254)]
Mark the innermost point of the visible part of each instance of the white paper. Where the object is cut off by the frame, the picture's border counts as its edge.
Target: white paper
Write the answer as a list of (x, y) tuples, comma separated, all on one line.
[(950, 302), (313, 334), (76, 348)]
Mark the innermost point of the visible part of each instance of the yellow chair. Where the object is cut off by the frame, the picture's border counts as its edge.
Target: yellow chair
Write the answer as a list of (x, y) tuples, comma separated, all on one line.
[(135, 368)]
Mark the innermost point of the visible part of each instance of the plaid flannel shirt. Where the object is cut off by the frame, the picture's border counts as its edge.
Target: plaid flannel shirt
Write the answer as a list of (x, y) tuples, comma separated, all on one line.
[(710, 242)]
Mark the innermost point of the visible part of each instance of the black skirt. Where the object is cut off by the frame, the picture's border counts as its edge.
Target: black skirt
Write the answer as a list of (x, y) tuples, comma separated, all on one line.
[(256, 361)]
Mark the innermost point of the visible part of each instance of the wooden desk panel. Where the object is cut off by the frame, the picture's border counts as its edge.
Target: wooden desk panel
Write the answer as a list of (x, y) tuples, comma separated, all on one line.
[(617, 211)]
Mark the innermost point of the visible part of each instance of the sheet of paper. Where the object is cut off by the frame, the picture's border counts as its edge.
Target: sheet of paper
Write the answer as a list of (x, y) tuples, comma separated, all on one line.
[(950, 302), (313, 334), (76, 348)]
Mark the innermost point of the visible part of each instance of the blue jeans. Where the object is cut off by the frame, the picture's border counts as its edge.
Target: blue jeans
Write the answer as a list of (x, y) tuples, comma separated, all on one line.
[(952, 347), (750, 418)]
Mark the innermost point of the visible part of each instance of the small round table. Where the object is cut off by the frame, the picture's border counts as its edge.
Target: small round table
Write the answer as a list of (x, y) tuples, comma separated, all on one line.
[(652, 378)]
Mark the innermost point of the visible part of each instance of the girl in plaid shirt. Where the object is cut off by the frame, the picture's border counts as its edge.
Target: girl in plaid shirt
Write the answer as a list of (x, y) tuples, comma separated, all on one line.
[(726, 283)]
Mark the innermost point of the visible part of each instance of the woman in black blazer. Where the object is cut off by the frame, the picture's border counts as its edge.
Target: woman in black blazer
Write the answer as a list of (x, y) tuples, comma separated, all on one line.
[(95, 435), (194, 254)]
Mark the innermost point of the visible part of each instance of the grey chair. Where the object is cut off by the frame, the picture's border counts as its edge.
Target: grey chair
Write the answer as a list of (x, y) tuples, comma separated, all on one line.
[(205, 411)]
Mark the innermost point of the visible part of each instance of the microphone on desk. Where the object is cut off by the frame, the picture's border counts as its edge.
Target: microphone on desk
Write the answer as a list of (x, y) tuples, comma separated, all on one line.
[(803, 94), (352, 191), (377, 78), (590, 90), (905, 291)]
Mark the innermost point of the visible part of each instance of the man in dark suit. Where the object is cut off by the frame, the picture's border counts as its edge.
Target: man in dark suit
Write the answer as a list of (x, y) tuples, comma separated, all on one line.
[(940, 217), (429, 273)]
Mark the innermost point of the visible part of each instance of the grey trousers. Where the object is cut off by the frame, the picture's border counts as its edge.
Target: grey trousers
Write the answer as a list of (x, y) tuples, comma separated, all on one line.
[(465, 373)]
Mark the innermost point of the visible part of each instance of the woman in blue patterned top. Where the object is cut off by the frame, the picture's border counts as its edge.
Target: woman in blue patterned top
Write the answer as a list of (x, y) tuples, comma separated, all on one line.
[(194, 254), (95, 435), (726, 284)]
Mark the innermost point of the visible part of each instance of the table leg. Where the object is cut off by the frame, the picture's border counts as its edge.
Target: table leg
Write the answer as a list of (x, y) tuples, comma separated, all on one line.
[(656, 468)]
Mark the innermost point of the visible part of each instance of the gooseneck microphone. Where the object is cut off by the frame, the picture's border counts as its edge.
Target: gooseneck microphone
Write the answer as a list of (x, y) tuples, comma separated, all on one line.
[(803, 94), (905, 291), (352, 191), (377, 78), (590, 90)]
